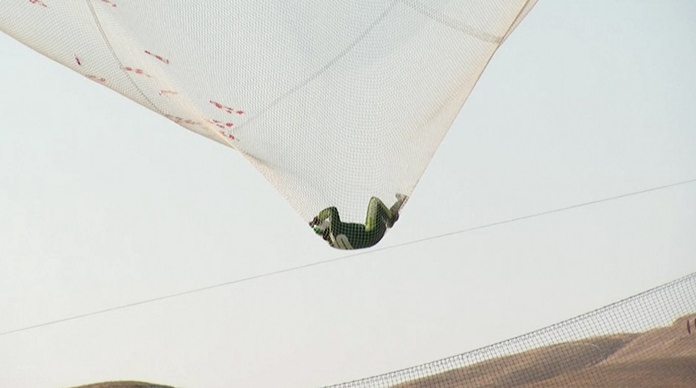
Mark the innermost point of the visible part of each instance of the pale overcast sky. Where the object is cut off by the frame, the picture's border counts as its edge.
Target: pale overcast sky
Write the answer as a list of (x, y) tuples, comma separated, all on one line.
[(105, 203)]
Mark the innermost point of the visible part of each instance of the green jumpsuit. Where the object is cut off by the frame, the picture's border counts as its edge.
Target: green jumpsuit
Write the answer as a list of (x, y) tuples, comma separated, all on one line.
[(344, 235)]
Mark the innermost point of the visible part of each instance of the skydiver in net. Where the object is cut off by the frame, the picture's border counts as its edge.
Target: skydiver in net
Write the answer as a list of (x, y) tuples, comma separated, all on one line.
[(345, 235)]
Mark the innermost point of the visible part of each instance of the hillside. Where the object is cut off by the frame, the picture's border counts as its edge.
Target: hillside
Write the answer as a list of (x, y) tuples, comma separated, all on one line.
[(662, 357)]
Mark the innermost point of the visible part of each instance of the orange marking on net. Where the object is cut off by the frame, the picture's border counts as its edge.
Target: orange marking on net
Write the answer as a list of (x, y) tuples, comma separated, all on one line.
[(164, 60), (109, 3), (77, 60)]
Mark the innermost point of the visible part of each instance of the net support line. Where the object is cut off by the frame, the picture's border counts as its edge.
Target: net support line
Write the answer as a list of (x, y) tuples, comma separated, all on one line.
[(337, 259)]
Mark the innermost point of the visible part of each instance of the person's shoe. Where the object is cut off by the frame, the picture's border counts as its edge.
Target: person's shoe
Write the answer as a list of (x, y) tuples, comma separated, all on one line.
[(396, 208), (400, 201)]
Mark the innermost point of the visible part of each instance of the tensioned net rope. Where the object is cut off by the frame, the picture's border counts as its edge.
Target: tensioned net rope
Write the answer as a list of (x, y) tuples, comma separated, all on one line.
[(333, 101)]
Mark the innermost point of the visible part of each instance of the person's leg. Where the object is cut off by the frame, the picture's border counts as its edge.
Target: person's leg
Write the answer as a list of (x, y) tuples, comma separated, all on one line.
[(332, 214), (396, 208), (378, 215)]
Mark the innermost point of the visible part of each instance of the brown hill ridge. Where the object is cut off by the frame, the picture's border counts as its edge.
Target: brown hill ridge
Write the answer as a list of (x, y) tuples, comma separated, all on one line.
[(662, 357), (124, 384)]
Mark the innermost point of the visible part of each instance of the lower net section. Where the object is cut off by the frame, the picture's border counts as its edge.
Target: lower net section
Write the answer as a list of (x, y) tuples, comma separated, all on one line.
[(647, 340)]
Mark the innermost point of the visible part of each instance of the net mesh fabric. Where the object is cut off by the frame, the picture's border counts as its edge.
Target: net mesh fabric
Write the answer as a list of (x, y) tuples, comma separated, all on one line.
[(647, 340), (333, 101)]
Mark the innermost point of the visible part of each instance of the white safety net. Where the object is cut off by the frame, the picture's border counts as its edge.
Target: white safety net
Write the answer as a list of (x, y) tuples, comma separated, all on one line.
[(333, 101)]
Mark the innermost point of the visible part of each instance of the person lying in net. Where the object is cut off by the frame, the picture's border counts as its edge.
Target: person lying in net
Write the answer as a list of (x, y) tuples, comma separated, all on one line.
[(344, 235)]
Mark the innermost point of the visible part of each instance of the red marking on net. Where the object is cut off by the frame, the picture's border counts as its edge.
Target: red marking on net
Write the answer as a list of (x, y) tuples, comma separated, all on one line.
[(226, 108), (164, 92), (39, 3), (135, 70), (95, 78), (227, 135), (165, 60), (77, 60), (221, 124), (181, 120), (109, 3)]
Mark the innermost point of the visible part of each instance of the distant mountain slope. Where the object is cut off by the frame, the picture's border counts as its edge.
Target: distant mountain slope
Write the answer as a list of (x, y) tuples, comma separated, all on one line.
[(663, 357), (124, 384)]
